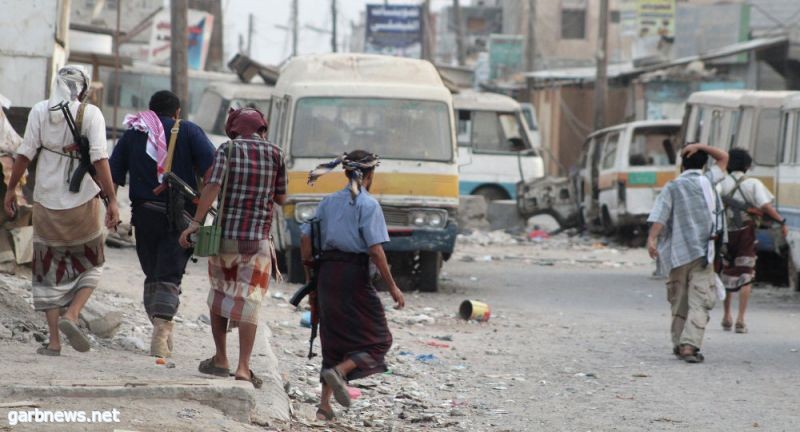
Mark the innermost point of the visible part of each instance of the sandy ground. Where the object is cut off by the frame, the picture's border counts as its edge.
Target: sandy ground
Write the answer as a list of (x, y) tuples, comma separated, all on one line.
[(578, 340)]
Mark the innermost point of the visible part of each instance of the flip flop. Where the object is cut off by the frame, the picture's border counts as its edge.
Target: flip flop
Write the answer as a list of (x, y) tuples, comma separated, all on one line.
[(256, 381), (333, 378), (46, 351), (325, 415), (741, 328), (74, 335), (677, 351), (726, 325), (207, 367)]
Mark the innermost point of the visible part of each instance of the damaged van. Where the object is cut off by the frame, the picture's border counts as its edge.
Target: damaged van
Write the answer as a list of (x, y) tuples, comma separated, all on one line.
[(621, 171)]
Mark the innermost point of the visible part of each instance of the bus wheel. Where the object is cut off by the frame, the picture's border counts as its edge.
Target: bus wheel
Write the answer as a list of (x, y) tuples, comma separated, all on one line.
[(295, 273), (429, 265), (491, 193)]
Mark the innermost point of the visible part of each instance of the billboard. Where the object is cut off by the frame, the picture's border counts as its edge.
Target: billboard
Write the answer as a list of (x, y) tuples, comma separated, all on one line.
[(200, 25), (651, 26), (506, 54), (394, 30)]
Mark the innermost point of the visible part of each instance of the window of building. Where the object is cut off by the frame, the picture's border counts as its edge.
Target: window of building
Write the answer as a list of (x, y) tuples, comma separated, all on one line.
[(573, 20)]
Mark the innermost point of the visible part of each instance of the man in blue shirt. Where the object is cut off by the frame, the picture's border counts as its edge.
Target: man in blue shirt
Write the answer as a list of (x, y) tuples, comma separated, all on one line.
[(142, 154), (353, 331)]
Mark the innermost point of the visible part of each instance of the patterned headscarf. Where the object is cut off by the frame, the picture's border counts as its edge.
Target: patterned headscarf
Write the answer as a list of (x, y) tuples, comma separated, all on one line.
[(71, 84), (353, 168), (244, 122)]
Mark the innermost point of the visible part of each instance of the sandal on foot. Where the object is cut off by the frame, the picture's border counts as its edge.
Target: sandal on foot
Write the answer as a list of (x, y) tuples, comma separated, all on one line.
[(325, 415), (46, 351), (726, 325), (334, 379), (741, 328), (676, 350), (256, 381), (207, 366), (693, 357), (76, 338)]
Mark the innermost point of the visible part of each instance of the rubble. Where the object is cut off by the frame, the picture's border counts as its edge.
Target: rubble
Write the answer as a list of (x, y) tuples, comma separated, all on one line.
[(101, 319)]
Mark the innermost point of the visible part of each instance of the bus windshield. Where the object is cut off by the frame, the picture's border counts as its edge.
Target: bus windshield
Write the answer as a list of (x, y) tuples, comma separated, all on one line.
[(391, 128)]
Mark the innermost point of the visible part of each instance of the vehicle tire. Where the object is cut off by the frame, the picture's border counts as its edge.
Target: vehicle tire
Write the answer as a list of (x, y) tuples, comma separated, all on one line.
[(430, 263), (295, 273), (793, 274), (607, 223), (491, 193)]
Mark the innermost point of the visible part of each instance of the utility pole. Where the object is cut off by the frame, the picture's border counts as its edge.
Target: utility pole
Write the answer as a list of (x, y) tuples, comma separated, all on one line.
[(427, 42), (460, 48), (295, 27), (530, 40), (116, 75), (250, 35), (179, 62), (334, 18), (601, 80)]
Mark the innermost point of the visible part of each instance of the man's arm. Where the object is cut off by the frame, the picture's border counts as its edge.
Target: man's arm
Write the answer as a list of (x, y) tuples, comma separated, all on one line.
[(719, 155), (20, 166), (652, 239), (379, 258)]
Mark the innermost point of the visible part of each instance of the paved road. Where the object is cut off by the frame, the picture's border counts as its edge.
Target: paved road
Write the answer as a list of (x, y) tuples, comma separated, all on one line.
[(594, 348)]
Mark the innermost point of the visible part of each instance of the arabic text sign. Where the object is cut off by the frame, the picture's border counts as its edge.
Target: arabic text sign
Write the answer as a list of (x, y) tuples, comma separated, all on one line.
[(394, 30)]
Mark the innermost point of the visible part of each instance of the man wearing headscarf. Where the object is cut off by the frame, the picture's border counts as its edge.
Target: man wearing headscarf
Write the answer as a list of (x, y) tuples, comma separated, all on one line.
[(353, 330), (250, 172), (143, 152), (68, 232)]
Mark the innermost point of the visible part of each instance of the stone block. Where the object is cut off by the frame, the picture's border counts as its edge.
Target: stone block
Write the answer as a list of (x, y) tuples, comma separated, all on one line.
[(472, 213), (503, 215), (102, 320)]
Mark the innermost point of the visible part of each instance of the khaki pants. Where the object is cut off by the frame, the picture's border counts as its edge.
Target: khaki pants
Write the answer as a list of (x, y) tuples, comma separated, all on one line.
[(691, 293)]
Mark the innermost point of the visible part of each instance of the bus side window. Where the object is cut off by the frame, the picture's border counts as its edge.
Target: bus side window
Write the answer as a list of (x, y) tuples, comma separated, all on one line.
[(610, 152), (767, 133), (486, 131), (464, 133), (795, 142)]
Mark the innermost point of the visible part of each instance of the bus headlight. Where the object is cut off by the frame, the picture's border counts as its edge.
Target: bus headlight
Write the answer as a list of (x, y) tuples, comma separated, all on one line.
[(304, 212), (436, 219)]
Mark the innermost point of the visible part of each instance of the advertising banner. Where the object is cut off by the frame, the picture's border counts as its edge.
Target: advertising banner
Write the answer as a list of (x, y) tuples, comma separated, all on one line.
[(394, 30)]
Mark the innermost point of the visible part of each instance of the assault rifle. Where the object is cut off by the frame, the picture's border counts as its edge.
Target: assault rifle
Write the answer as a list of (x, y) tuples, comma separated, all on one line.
[(176, 184), (310, 288), (81, 146)]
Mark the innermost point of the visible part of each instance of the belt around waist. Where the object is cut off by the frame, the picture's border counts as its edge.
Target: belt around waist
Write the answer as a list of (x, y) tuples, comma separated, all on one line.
[(348, 257)]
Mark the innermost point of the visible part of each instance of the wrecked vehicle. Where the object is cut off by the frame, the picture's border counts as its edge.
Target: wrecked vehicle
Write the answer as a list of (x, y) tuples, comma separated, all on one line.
[(324, 105), (620, 173), (219, 97)]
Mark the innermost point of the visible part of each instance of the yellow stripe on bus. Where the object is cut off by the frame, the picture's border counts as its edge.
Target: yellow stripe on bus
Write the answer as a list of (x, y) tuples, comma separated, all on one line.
[(403, 184)]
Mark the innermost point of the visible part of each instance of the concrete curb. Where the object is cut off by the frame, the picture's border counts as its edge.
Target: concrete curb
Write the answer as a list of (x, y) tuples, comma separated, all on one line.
[(235, 399)]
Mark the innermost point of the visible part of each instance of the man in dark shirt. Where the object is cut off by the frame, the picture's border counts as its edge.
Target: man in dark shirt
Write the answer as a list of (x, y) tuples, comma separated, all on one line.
[(142, 153)]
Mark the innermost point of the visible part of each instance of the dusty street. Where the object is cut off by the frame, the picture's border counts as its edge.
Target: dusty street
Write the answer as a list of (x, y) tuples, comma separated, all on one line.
[(578, 340)]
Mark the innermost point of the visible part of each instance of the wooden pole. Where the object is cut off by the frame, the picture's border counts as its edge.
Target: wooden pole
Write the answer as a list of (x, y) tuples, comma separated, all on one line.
[(334, 27), (461, 52), (601, 80), (295, 27), (116, 76), (250, 35), (179, 62), (530, 40), (427, 40)]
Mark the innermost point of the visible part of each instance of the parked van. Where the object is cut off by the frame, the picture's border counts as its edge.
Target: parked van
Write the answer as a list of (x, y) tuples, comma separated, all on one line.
[(219, 97), (787, 189), (495, 147), (621, 171), (324, 105)]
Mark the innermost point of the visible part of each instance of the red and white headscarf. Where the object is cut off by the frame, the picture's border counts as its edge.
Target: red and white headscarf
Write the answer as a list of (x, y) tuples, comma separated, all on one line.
[(149, 123)]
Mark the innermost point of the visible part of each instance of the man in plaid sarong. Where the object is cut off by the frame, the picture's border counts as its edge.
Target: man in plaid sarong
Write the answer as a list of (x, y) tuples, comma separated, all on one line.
[(353, 330)]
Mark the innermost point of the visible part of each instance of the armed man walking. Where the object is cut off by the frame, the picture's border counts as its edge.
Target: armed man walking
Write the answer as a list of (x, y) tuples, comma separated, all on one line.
[(353, 330), (156, 146), (68, 234), (746, 201), (686, 221)]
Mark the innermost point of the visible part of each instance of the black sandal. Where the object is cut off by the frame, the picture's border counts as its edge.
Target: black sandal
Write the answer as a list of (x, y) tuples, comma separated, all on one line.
[(207, 366), (694, 357), (335, 380), (256, 381), (325, 415)]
